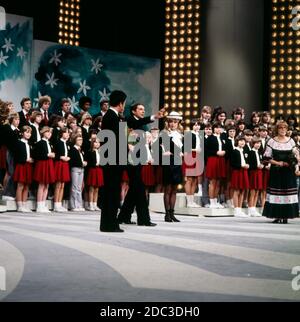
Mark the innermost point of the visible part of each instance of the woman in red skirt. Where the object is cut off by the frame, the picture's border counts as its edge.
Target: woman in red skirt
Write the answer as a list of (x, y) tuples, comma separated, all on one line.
[(23, 170), (255, 176), (62, 168), (95, 175), (44, 173), (239, 179), (216, 164)]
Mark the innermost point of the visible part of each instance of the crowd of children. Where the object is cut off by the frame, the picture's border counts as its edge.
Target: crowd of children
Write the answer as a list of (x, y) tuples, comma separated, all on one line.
[(58, 155)]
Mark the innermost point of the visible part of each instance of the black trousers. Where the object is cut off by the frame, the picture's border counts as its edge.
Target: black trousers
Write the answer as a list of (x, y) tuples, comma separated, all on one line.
[(135, 198), (111, 197)]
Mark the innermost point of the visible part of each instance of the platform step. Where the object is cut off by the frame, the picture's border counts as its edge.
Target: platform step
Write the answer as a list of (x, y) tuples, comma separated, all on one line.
[(157, 205)]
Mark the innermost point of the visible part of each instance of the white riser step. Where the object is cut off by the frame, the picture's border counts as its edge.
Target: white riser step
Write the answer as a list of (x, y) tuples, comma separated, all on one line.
[(157, 205)]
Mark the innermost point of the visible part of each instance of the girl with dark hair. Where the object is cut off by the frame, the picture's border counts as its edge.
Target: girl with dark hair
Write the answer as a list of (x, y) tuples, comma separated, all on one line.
[(95, 175), (216, 164), (254, 121), (239, 178), (23, 171), (44, 173), (255, 176), (62, 169)]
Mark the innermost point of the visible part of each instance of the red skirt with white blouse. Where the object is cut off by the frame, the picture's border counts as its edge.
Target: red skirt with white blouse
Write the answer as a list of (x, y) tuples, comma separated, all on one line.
[(216, 168), (256, 179), (62, 171), (240, 179), (44, 172), (23, 173), (95, 177)]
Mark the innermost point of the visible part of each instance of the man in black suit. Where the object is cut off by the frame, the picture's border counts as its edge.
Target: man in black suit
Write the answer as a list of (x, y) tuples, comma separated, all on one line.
[(65, 107), (136, 196), (112, 173), (104, 106), (25, 113)]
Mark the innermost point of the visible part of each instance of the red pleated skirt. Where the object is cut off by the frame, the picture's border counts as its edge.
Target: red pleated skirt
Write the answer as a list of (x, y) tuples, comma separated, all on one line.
[(62, 171), (44, 172), (266, 179), (23, 173), (191, 166), (158, 174), (216, 168), (3, 154), (256, 179), (95, 177), (240, 179), (125, 177), (148, 175)]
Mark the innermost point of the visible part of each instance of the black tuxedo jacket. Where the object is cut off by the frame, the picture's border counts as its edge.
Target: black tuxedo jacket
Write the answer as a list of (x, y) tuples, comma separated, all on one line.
[(23, 120)]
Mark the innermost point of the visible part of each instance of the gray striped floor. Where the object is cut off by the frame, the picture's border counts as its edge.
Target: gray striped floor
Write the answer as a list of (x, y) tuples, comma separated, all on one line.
[(65, 258)]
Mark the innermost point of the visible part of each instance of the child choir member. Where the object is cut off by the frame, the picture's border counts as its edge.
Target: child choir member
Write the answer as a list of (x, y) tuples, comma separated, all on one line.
[(255, 176), (216, 164), (191, 165), (77, 165), (239, 179), (95, 175), (62, 168), (35, 123), (24, 169), (44, 172)]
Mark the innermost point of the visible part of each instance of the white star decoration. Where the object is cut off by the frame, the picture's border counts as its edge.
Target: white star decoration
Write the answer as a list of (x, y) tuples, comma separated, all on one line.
[(52, 81), (74, 104), (36, 100), (83, 88), (21, 53), (3, 59), (104, 95), (8, 45), (55, 58), (96, 66)]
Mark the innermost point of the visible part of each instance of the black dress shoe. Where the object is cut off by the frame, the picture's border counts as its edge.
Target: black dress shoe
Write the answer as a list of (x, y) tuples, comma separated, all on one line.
[(117, 230), (277, 221), (149, 224), (167, 216), (285, 221)]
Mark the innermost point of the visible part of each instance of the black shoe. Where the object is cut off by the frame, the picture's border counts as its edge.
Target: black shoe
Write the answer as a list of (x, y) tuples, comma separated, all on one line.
[(167, 216), (277, 221), (285, 221), (173, 218), (149, 224), (117, 230)]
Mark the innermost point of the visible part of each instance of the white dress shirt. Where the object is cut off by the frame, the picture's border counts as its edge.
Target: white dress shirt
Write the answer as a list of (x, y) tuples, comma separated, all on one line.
[(48, 146), (66, 148), (242, 157)]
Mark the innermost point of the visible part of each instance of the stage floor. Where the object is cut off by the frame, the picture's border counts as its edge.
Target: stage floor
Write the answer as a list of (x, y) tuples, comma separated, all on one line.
[(65, 258)]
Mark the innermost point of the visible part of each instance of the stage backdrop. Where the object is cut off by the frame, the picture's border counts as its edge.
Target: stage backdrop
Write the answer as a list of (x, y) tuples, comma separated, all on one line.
[(15, 59), (72, 72)]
